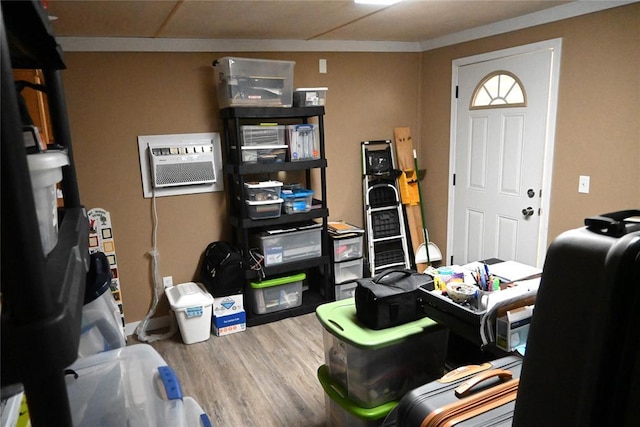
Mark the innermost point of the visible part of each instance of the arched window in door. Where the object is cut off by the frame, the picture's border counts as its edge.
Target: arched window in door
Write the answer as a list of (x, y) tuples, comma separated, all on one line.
[(499, 89)]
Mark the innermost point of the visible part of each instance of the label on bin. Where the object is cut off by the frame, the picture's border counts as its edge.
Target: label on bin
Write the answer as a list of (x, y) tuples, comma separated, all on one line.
[(194, 311)]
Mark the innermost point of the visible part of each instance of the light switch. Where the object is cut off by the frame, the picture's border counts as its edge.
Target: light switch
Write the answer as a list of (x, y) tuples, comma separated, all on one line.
[(322, 66), (583, 184)]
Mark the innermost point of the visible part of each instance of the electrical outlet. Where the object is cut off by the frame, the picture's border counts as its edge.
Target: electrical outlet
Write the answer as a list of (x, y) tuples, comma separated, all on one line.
[(583, 184), (167, 281)]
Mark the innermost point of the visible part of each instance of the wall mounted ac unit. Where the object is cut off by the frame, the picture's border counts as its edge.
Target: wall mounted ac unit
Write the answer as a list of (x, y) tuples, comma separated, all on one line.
[(177, 164), (184, 163)]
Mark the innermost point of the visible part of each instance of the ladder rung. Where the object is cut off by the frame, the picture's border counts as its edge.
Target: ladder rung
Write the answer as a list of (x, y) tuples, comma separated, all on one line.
[(386, 239), (384, 208), (384, 267)]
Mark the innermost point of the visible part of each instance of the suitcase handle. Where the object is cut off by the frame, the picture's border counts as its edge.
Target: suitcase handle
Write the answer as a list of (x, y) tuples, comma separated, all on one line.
[(463, 371), (612, 223), (464, 389)]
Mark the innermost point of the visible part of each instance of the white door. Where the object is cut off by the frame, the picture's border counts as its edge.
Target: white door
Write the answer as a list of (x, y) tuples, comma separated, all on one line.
[(503, 142)]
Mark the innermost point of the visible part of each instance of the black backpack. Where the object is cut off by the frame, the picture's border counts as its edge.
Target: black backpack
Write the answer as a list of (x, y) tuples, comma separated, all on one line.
[(223, 270)]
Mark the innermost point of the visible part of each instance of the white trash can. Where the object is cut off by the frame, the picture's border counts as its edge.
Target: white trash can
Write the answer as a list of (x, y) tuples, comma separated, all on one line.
[(193, 308)]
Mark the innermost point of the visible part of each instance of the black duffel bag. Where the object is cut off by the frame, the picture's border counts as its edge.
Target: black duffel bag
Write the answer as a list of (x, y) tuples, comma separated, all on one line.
[(391, 298)]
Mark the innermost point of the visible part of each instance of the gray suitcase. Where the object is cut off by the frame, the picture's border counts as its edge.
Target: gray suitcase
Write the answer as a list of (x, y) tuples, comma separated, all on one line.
[(439, 403)]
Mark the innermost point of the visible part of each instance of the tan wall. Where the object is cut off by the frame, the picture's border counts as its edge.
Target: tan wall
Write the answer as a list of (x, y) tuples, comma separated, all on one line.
[(114, 97), (597, 130)]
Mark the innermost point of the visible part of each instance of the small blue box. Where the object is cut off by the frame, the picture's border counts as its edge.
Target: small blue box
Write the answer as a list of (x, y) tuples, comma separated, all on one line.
[(225, 325)]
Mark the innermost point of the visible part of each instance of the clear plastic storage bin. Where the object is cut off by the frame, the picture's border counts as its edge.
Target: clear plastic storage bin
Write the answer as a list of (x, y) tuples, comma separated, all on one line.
[(120, 388), (366, 362), (309, 96), (263, 190), (297, 200), (264, 209), (303, 141), (277, 294), (347, 270), (264, 153), (342, 412), (264, 134), (283, 247), (347, 247), (248, 82)]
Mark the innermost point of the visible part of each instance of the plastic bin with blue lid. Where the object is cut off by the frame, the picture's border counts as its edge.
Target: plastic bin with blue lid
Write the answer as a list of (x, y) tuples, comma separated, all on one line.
[(379, 366), (120, 388), (296, 200)]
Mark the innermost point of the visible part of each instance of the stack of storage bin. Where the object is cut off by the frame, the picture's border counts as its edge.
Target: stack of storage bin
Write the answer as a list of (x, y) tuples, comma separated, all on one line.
[(366, 371), (347, 263)]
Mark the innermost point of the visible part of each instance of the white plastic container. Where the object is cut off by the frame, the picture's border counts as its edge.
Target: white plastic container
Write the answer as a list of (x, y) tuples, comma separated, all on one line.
[(265, 209), (120, 388), (309, 96), (347, 247), (193, 307), (46, 171), (263, 190), (347, 270)]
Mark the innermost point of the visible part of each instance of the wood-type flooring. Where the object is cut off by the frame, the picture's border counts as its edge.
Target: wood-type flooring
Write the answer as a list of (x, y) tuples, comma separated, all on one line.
[(265, 376)]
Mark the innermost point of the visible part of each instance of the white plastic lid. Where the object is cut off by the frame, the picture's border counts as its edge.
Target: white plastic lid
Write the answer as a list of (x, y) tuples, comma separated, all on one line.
[(263, 202), (262, 147), (188, 295), (263, 184), (308, 89), (47, 160)]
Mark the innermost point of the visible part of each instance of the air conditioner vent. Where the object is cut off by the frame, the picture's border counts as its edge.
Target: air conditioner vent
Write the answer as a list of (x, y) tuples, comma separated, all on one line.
[(184, 174)]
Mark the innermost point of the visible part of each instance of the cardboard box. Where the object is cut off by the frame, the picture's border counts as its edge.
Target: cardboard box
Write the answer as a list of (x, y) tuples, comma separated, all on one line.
[(512, 328), (225, 325), (228, 305)]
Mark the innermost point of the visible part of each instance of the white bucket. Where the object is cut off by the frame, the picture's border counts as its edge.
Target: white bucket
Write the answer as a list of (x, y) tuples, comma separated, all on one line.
[(46, 171), (193, 307)]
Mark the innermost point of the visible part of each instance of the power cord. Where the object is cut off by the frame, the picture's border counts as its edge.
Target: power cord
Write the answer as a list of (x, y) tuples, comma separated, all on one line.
[(158, 287)]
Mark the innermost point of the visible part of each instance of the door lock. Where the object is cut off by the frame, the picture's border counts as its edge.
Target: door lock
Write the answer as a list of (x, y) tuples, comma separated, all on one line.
[(531, 193), (527, 211)]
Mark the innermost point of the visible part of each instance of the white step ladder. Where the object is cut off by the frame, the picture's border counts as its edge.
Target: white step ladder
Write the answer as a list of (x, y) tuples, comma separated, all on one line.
[(384, 217)]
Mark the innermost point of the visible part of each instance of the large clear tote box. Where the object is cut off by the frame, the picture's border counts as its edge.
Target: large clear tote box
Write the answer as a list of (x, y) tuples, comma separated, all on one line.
[(387, 244)]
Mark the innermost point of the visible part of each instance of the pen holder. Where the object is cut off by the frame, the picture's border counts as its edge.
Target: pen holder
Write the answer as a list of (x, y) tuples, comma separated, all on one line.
[(481, 299)]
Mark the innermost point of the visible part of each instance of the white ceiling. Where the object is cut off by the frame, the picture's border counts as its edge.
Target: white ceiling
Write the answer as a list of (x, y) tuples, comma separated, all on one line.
[(335, 21)]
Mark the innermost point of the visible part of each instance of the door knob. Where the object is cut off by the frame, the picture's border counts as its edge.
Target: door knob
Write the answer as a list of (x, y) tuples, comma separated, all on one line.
[(527, 211)]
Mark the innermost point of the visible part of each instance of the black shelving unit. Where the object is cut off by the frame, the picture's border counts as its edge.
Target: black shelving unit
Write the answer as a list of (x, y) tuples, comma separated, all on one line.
[(238, 172), (42, 296)]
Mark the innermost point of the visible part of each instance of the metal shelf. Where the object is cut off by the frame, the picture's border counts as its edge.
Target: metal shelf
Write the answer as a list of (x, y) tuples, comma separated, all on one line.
[(42, 295), (236, 170)]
